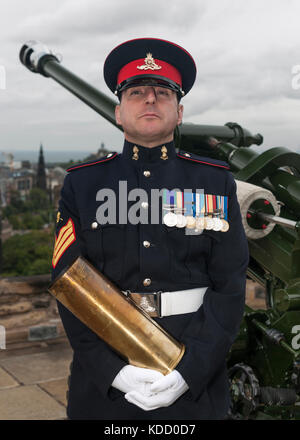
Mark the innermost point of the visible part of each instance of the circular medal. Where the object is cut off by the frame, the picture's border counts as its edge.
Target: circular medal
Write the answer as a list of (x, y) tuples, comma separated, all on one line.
[(170, 219), (209, 223), (181, 221), (218, 224), (225, 226), (190, 222), (200, 223)]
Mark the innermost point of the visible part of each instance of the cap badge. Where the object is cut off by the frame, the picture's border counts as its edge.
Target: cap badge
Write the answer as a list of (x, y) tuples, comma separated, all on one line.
[(149, 63)]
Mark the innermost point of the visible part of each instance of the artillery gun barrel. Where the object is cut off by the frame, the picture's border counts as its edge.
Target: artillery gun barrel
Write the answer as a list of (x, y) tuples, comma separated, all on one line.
[(39, 59), (230, 132), (87, 93), (278, 220)]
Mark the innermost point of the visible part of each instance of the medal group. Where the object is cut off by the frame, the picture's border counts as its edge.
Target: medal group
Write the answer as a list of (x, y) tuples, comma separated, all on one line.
[(196, 211)]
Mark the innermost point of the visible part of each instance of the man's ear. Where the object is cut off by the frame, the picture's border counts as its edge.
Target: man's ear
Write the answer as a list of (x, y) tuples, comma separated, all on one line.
[(117, 114), (180, 114)]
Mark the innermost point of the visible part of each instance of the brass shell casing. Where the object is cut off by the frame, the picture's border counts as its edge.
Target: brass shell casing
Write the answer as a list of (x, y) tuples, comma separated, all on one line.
[(115, 318)]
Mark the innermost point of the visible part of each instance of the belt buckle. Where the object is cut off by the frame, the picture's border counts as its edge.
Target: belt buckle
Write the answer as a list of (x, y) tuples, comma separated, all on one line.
[(144, 304), (151, 303)]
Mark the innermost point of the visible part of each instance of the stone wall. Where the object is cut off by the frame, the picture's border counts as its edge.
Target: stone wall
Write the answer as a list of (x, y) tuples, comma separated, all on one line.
[(28, 312)]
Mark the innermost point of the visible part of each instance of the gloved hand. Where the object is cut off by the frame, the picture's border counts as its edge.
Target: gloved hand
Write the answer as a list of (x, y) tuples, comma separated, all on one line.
[(164, 392), (134, 378)]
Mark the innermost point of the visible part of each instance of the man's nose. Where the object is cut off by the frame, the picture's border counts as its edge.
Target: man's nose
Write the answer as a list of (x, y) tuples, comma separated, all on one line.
[(150, 95)]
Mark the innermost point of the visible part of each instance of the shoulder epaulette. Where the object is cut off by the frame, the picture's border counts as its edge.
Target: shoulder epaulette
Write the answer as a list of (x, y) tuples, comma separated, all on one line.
[(201, 159), (106, 158)]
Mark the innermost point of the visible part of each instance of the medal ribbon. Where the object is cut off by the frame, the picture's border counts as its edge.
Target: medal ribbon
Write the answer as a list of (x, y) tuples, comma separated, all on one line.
[(197, 204), (178, 198), (218, 203), (209, 204), (194, 205), (202, 204), (188, 199), (225, 207), (214, 203), (171, 201)]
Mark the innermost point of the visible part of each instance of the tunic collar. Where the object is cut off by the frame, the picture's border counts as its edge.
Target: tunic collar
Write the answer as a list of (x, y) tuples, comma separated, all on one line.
[(139, 154)]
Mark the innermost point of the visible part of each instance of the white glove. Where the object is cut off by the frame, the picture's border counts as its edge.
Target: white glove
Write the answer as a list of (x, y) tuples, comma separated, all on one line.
[(134, 378), (164, 392)]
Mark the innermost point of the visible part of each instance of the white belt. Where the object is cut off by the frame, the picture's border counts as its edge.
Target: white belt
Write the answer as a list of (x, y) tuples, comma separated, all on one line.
[(159, 304)]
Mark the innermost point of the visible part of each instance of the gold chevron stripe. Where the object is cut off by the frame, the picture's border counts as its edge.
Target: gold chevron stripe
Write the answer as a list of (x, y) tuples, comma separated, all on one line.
[(63, 249), (61, 239), (64, 239), (58, 248), (69, 225)]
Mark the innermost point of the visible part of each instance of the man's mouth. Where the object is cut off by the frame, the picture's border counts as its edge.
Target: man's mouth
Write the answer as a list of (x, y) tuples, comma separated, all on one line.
[(149, 115)]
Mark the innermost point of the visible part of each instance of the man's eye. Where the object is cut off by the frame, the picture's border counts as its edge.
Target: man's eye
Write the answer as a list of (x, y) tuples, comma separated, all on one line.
[(135, 92), (163, 92)]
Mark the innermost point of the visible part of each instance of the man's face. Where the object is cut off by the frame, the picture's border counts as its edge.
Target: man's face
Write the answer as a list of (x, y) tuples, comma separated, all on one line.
[(149, 114)]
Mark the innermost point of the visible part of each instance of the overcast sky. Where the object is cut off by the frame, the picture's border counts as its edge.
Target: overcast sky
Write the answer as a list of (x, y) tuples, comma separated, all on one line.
[(244, 50)]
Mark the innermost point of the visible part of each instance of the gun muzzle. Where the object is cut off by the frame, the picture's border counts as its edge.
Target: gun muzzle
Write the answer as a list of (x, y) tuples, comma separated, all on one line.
[(34, 54), (115, 318)]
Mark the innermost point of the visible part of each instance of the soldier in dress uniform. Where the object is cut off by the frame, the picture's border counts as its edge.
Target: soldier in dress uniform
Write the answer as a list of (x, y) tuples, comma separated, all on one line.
[(188, 269)]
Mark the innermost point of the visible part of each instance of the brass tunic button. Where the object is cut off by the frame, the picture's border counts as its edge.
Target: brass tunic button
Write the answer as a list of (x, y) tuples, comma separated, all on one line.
[(145, 205), (146, 244), (147, 282), (109, 155), (147, 173), (94, 225), (187, 154)]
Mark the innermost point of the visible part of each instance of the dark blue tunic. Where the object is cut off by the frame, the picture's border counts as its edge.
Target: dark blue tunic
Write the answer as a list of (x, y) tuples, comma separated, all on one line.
[(173, 261)]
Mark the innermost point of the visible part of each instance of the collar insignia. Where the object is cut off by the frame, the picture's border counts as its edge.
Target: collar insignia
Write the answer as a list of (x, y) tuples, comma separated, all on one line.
[(164, 152), (135, 153)]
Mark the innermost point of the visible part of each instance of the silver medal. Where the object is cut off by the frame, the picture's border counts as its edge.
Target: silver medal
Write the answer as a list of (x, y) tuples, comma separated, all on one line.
[(225, 225), (200, 223), (190, 222), (181, 221), (218, 225), (209, 223), (170, 219)]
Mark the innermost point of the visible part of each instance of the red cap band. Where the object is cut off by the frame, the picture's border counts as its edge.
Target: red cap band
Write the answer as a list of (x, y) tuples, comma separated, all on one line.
[(140, 67)]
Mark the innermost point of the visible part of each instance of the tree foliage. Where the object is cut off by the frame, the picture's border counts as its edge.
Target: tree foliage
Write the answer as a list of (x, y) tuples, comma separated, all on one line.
[(28, 254), (32, 213)]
